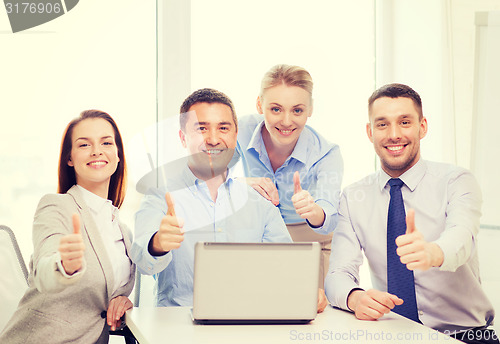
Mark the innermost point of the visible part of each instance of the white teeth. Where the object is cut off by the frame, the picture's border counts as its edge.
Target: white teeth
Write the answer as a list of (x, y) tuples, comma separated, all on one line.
[(97, 163), (395, 148), (286, 131), (214, 151)]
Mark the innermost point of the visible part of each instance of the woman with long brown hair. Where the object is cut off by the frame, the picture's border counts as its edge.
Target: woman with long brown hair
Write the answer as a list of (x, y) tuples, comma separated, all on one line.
[(80, 272)]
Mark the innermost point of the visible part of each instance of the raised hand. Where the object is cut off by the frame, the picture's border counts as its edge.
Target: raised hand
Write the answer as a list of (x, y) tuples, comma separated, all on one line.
[(170, 234), (414, 251), (372, 304), (322, 301), (265, 187), (71, 248), (170, 204), (117, 307), (304, 204)]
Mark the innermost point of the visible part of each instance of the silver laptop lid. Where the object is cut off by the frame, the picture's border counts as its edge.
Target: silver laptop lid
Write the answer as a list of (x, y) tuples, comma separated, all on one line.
[(262, 281)]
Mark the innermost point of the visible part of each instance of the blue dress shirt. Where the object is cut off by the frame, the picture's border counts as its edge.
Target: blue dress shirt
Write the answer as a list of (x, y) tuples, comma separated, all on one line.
[(447, 203), (318, 161), (239, 214)]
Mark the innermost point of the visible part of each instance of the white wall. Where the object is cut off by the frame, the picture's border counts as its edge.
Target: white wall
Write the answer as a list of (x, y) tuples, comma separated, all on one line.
[(463, 45), (411, 49), (430, 46), (486, 120), (235, 43), (99, 55)]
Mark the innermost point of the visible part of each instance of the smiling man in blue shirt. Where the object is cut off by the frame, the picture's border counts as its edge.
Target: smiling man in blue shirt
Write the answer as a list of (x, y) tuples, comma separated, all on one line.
[(437, 247), (201, 202)]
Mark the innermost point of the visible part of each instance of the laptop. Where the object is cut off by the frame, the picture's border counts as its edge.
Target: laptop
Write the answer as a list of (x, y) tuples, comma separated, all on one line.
[(255, 283)]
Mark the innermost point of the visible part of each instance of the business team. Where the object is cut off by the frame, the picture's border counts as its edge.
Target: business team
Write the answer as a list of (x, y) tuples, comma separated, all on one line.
[(415, 220)]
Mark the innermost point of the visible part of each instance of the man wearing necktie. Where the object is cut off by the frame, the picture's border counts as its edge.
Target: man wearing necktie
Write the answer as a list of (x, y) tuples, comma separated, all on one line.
[(416, 221)]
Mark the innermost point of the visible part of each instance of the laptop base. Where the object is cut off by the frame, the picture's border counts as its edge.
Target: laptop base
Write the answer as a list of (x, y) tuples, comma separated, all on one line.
[(249, 321)]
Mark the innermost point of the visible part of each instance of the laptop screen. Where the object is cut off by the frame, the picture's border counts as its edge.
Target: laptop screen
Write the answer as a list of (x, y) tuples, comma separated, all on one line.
[(256, 281)]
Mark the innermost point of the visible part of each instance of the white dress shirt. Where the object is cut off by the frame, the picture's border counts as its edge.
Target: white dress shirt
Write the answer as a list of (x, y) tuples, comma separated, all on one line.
[(447, 203), (105, 216)]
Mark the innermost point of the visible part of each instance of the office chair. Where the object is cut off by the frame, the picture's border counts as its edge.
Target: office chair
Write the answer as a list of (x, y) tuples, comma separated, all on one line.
[(14, 276), (14, 281)]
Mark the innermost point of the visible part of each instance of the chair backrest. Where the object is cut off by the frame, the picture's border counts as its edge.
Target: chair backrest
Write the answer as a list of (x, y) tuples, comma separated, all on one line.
[(137, 288), (144, 290), (14, 276)]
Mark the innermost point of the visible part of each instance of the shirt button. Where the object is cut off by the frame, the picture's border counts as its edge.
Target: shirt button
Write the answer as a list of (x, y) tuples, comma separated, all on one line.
[(219, 229), (420, 313)]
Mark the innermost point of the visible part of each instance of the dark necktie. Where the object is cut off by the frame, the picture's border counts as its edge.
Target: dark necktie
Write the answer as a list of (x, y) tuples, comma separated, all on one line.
[(400, 281)]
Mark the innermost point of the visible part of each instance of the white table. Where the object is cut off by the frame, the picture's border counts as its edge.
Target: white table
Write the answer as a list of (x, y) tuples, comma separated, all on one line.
[(174, 325)]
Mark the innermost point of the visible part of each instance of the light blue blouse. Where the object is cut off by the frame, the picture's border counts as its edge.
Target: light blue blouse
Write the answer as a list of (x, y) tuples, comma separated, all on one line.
[(318, 161)]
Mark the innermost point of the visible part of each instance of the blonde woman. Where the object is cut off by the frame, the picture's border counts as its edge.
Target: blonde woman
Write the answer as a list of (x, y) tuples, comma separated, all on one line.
[(291, 164)]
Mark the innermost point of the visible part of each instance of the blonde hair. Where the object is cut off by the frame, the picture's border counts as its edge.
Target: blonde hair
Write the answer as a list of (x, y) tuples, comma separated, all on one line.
[(287, 75)]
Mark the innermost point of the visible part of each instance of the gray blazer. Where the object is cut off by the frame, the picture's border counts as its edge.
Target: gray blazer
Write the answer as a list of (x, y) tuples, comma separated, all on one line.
[(62, 312)]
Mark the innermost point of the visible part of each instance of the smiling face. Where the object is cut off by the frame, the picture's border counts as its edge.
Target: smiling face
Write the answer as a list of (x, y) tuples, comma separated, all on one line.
[(210, 137), (395, 131), (286, 110), (94, 155)]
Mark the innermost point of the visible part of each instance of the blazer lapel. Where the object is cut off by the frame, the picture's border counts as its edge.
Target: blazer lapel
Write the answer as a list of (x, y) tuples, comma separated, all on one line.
[(127, 239), (95, 239)]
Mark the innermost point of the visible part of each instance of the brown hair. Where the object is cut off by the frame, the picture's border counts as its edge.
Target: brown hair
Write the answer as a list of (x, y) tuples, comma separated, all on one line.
[(287, 75), (397, 91), (66, 173)]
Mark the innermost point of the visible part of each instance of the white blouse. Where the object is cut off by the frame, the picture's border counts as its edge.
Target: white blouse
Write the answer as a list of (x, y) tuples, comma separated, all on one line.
[(105, 216)]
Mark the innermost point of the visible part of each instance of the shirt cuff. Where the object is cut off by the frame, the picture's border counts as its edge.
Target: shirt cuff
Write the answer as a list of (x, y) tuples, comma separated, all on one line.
[(347, 298), (63, 275), (338, 286), (450, 255), (331, 216), (153, 264)]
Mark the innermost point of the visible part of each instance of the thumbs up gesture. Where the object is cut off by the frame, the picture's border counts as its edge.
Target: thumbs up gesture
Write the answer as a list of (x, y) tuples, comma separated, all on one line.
[(171, 232), (296, 183), (71, 248), (414, 251), (304, 204)]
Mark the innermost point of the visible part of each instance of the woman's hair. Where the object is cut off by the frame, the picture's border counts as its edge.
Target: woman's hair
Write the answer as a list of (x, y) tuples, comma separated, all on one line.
[(67, 177), (287, 75)]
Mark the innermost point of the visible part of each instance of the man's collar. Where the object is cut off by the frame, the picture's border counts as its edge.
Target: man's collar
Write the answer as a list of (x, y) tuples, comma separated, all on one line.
[(411, 178), (192, 181)]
